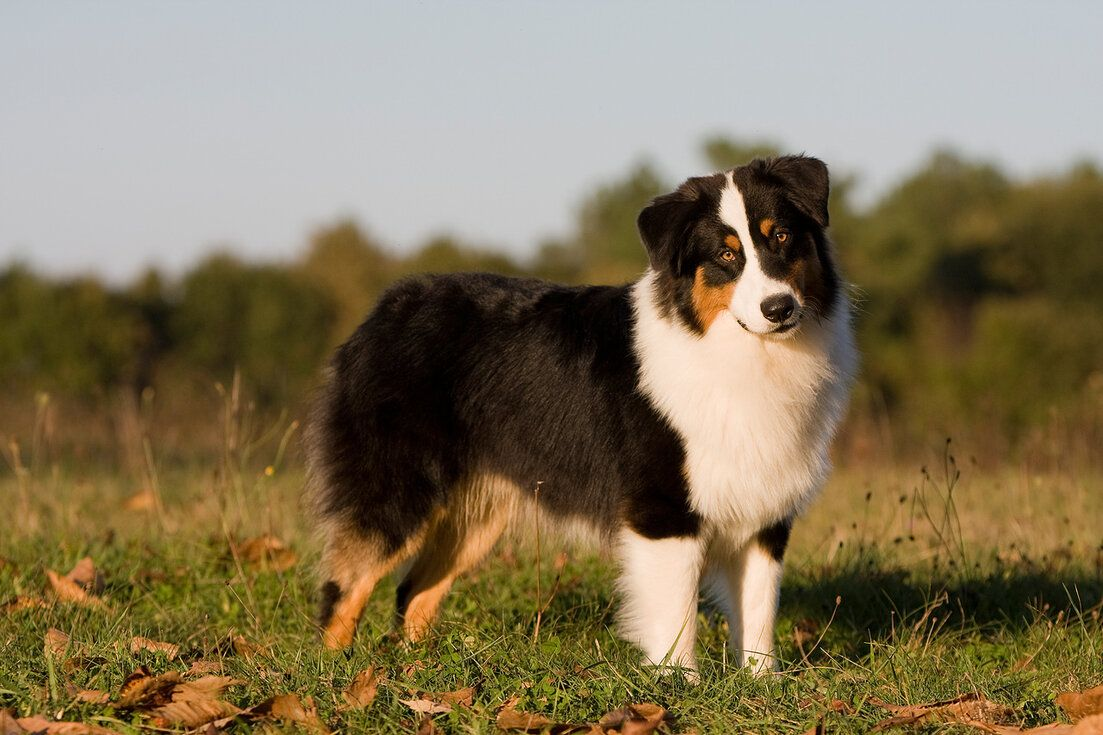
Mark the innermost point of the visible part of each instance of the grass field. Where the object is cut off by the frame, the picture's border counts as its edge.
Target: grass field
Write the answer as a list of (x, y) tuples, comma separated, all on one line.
[(903, 586)]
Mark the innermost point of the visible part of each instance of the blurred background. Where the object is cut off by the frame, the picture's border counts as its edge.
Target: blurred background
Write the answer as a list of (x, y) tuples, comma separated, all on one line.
[(199, 200)]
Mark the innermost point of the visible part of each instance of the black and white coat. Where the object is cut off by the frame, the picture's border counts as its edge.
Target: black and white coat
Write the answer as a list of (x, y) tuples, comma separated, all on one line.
[(685, 417)]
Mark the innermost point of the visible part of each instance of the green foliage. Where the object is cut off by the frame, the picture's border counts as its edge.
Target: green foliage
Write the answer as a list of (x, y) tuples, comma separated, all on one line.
[(976, 292)]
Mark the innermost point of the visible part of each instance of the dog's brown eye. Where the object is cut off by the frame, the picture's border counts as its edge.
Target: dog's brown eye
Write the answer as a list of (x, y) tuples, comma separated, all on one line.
[(782, 236), (727, 254)]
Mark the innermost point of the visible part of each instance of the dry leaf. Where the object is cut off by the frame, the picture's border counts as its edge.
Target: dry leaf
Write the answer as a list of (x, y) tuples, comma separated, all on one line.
[(142, 690), (207, 687), (141, 500), (1092, 725), (361, 692), (512, 719), (267, 552), (971, 709), (8, 725), (86, 576), (67, 590), (245, 649), (427, 706), (137, 644), (289, 707), (426, 726), (40, 724), (23, 602), (204, 666), (93, 696), (56, 643), (637, 719), (193, 712), (1078, 705)]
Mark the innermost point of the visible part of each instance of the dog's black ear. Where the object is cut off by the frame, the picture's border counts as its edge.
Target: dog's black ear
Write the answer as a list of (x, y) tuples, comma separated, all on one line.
[(664, 226), (807, 183)]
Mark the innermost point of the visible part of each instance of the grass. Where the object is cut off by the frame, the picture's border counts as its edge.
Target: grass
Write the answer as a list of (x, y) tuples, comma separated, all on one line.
[(902, 584)]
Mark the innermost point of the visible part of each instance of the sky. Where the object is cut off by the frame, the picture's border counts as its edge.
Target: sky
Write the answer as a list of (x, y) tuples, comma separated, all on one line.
[(137, 134)]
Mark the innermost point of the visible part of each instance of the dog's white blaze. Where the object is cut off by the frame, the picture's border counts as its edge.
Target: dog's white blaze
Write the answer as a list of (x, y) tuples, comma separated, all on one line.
[(756, 417), (753, 285), (659, 583)]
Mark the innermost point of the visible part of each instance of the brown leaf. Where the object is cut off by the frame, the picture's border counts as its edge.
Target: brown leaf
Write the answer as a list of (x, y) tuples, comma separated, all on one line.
[(193, 712), (142, 690), (637, 719), (137, 644), (85, 575), (207, 687), (204, 666), (40, 724), (246, 649), (426, 726), (361, 692), (8, 725), (512, 719), (427, 706), (1078, 705), (56, 643), (971, 709), (289, 707), (267, 552), (93, 696), (23, 602), (141, 500)]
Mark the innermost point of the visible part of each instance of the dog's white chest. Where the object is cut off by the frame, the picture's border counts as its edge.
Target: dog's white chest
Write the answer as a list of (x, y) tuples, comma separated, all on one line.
[(756, 416)]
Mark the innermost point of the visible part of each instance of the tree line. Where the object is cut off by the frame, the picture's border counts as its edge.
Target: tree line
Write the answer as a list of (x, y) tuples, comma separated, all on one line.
[(980, 300)]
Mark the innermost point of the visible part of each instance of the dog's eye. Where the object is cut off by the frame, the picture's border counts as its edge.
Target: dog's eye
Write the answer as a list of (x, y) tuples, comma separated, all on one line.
[(782, 236), (727, 254)]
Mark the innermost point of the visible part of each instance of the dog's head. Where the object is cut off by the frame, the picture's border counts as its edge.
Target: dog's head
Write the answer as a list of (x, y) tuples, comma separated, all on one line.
[(748, 244)]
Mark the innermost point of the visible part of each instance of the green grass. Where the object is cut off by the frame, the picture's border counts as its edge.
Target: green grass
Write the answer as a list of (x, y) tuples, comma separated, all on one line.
[(881, 599)]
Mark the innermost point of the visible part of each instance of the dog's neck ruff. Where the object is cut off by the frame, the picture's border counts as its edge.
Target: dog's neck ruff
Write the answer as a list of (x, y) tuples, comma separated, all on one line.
[(756, 414)]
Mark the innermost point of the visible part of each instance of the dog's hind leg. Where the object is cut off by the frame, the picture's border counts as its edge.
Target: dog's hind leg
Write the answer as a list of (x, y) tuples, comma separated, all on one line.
[(455, 543), (353, 566)]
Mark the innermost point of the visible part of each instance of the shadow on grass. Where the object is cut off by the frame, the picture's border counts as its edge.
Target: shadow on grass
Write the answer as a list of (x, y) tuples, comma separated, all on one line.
[(867, 600)]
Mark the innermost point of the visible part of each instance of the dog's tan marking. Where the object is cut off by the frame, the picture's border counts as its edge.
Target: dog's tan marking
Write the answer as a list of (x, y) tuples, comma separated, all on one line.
[(457, 542), (356, 566), (766, 226), (732, 241), (709, 301)]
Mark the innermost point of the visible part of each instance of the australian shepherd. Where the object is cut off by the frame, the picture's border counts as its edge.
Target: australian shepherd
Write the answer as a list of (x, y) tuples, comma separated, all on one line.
[(686, 417)]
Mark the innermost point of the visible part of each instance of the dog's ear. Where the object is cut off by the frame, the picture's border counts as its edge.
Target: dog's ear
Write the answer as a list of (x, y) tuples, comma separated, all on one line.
[(664, 226), (806, 182)]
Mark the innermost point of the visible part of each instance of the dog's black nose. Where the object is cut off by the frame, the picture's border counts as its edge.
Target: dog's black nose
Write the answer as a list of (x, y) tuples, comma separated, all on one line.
[(779, 307)]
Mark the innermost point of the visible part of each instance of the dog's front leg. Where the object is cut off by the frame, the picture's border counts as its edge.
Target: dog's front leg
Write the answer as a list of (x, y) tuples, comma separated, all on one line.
[(753, 578), (659, 583)]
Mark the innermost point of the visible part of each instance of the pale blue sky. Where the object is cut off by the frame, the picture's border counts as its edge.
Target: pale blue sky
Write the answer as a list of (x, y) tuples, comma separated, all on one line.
[(138, 133)]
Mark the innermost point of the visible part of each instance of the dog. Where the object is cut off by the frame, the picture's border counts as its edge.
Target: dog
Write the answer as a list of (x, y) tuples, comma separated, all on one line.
[(686, 417)]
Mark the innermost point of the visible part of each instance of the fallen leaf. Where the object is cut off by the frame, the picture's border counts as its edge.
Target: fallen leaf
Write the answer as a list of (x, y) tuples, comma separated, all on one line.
[(143, 690), (86, 576), (426, 726), (207, 687), (8, 725), (192, 712), (289, 707), (240, 646), (39, 724), (636, 719), (137, 644), (267, 552), (23, 602), (512, 719), (971, 709), (427, 706), (93, 696), (56, 643), (141, 500), (1078, 705), (204, 666), (361, 692)]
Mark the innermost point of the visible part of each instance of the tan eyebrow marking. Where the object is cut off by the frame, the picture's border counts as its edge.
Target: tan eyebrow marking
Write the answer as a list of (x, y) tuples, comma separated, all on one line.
[(732, 241), (765, 226)]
